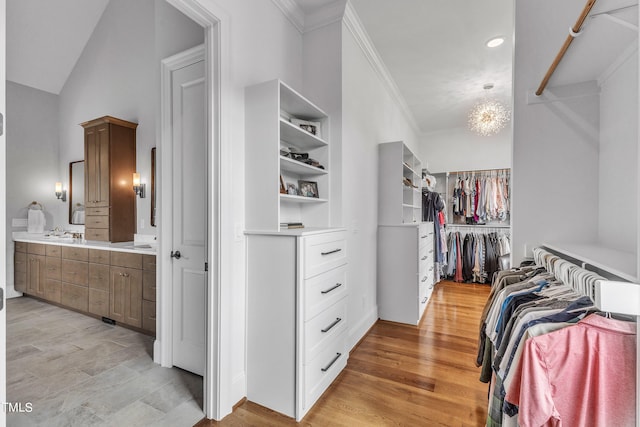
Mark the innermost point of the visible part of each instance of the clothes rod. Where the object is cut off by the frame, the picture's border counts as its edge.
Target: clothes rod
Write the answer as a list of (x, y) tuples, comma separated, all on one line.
[(574, 32), (508, 170)]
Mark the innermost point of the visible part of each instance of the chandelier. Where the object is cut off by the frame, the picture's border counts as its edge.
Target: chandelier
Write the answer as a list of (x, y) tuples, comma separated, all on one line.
[(488, 117)]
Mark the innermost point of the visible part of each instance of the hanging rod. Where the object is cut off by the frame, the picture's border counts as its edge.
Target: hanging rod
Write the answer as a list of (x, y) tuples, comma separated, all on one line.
[(573, 34)]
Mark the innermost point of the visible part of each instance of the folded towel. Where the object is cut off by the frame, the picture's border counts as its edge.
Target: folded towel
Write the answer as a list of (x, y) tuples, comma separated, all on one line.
[(35, 221)]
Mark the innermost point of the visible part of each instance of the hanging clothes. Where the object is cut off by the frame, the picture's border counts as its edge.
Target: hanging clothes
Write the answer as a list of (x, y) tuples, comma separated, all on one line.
[(432, 206), (479, 253)]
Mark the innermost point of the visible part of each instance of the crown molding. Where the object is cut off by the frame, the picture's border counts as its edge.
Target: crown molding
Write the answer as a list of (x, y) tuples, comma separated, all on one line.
[(355, 27), (292, 11), (329, 14)]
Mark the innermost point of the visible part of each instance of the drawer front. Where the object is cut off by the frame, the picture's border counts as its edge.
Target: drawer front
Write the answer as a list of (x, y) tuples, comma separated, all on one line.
[(149, 285), (53, 268), (36, 248), (74, 296), (99, 277), (149, 262), (321, 372), (149, 316), (20, 281), (96, 211), (77, 254), (423, 298), (52, 290), (323, 252), (426, 253), (20, 262), (322, 329), (99, 302), (98, 256), (125, 259), (75, 272), (98, 221), (21, 247), (324, 290), (425, 237), (99, 234), (53, 251)]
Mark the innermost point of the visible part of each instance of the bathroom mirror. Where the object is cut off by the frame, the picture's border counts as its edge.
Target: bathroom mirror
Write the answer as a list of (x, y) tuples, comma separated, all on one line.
[(153, 187), (76, 192)]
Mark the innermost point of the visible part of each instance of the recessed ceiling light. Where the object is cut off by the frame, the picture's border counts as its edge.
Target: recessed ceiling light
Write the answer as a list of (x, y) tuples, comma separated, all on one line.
[(495, 42)]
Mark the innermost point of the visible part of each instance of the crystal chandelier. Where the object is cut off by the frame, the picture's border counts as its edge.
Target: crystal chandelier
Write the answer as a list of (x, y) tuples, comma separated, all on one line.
[(488, 117)]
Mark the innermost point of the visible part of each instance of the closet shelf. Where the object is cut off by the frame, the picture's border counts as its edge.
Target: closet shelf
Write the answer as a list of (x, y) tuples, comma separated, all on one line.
[(294, 166), (292, 135), (300, 199), (404, 205), (616, 262), (411, 169)]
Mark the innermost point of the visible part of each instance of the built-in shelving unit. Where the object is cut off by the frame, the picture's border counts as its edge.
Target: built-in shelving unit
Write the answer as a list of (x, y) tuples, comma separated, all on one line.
[(399, 185), (272, 133)]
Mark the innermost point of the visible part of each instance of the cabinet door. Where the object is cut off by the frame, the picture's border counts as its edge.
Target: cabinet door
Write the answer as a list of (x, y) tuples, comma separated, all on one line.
[(125, 297), (36, 275), (20, 271), (96, 155)]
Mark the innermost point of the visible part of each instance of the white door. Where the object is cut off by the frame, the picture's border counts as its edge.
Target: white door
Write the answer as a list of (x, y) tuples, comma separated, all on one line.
[(189, 136), (3, 202)]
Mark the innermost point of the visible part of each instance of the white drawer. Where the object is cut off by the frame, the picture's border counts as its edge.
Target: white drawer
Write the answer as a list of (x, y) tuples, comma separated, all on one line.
[(324, 290), (319, 331), (425, 267), (323, 252), (425, 238), (319, 373), (426, 253)]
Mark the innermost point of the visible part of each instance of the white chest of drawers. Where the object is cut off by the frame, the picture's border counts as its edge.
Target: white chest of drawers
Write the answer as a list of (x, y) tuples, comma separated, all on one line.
[(297, 317), (405, 271)]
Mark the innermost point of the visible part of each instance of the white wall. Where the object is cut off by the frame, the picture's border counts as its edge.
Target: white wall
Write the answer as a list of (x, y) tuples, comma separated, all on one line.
[(618, 188), (118, 74), (369, 117), (32, 160), (460, 149)]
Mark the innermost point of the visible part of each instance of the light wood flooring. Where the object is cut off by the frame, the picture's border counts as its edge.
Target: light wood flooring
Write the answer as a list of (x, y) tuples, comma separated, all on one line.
[(78, 371), (403, 375)]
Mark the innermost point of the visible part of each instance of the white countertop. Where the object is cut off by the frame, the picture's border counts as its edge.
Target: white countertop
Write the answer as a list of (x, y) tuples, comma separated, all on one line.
[(295, 232), (131, 247)]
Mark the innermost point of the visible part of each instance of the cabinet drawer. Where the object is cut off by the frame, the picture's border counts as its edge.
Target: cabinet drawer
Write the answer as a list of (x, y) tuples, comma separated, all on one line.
[(425, 254), (149, 285), (20, 262), (319, 331), (324, 369), (98, 221), (77, 254), (52, 289), (53, 268), (99, 257), (53, 251), (21, 246), (324, 252), (149, 316), (99, 277), (74, 296), (149, 262), (75, 272), (96, 211), (425, 238), (125, 259), (324, 290), (36, 248), (99, 234), (99, 302)]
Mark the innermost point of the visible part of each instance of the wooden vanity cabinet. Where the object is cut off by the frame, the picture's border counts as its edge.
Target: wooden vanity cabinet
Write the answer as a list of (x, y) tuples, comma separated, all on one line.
[(110, 161), (149, 293), (99, 278), (125, 288), (20, 267), (36, 269)]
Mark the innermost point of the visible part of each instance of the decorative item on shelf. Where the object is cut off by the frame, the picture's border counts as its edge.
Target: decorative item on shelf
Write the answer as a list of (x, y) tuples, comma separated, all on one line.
[(60, 193), (291, 225), (292, 189), (489, 116), (283, 189), (137, 186), (308, 188), (312, 127), (407, 182)]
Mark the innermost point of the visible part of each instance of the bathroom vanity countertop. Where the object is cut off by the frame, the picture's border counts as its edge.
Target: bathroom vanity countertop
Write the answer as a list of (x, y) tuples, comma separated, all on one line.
[(132, 247)]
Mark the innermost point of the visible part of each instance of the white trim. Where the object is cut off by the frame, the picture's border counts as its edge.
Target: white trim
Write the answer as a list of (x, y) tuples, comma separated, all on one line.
[(326, 15), (355, 27), (292, 11)]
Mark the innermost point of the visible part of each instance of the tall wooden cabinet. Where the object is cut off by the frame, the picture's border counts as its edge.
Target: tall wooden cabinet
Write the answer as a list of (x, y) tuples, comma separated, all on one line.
[(110, 161)]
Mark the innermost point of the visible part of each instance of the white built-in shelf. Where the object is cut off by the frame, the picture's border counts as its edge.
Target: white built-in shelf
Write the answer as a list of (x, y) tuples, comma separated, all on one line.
[(297, 167), (301, 199), (293, 135), (295, 104), (404, 205), (620, 263), (411, 170)]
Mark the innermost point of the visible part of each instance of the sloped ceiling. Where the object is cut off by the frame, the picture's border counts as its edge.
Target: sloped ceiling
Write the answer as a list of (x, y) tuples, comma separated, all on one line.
[(45, 38)]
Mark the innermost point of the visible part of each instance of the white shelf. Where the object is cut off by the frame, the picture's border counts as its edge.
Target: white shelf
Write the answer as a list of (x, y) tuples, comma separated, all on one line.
[(300, 199), (290, 165), (292, 135), (405, 205), (295, 104), (411, 170)]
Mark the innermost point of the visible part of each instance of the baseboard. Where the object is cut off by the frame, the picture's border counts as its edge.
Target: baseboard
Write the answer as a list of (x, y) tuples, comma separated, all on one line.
[(360, 329), (11, 291), (238, 388)]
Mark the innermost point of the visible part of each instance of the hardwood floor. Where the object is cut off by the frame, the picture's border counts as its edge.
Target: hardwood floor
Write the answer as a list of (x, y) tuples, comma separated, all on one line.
[(403, 375)]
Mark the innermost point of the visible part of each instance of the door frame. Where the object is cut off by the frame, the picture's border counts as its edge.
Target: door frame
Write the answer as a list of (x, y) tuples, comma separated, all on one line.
[(215, 21)]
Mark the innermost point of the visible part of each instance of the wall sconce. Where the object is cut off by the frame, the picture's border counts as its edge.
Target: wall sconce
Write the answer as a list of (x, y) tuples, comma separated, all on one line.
[(137, 186), (60, 193)]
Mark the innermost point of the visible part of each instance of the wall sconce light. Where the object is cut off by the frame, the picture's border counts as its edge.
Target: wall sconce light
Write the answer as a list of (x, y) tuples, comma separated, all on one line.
[(137, 186), (60, 193)]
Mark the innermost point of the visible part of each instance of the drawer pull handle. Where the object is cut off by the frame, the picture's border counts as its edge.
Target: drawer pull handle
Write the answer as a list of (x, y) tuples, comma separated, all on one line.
[(431, 251), (431, 269), (328, 328), (331, 289), (424, 279), (330, 252), (326, 368), (425, 300), (424, 258), (424, 237)]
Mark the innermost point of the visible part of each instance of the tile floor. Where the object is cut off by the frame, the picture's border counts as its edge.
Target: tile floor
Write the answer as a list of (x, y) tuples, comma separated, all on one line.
[(78, 371)]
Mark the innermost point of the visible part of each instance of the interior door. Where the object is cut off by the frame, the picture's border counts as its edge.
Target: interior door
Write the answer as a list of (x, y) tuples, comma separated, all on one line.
[(3, 208), (189, 216)]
